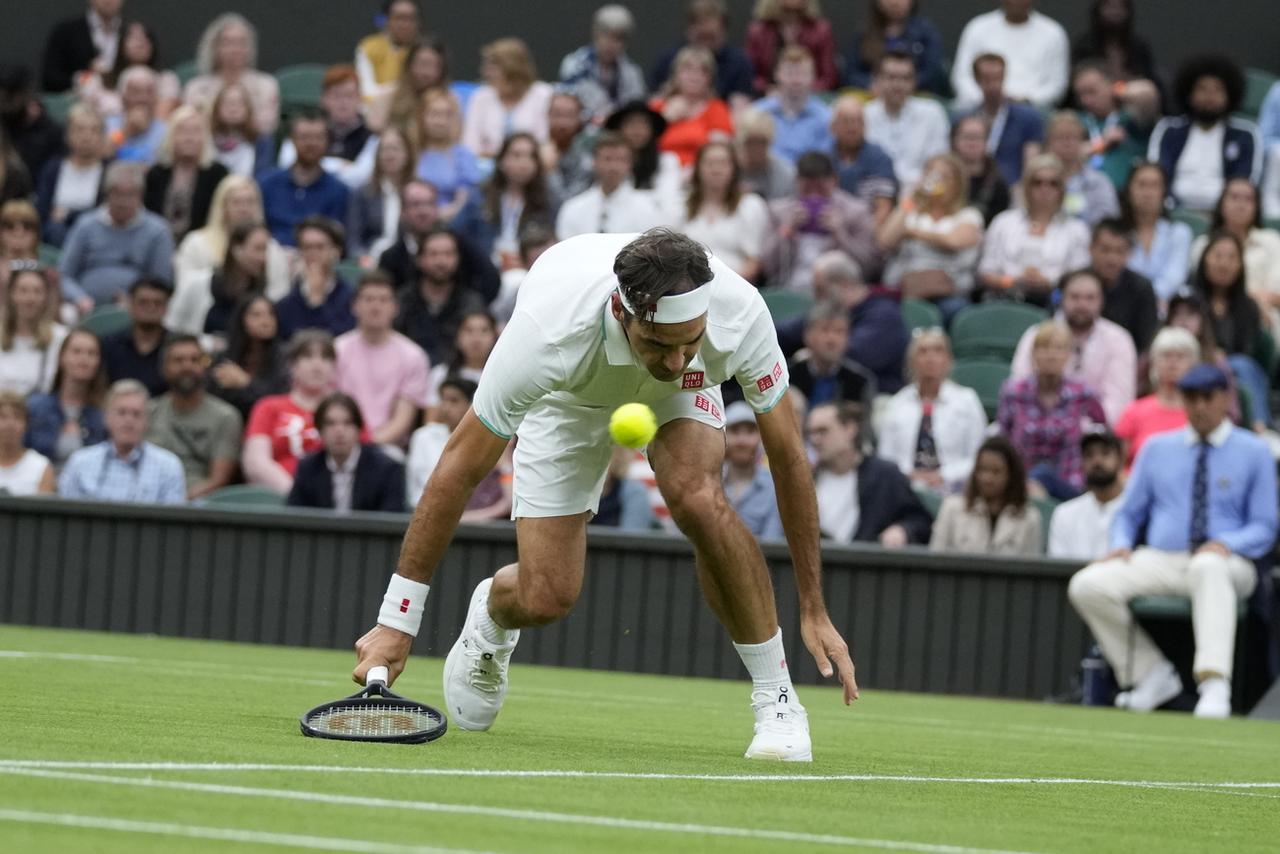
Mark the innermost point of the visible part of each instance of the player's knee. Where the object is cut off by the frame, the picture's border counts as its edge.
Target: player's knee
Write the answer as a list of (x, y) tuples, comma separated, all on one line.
[(546, 602), (695, 500)]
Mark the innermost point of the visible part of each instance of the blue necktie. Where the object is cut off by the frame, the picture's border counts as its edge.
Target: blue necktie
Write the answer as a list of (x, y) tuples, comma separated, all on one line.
[(1200, 499)]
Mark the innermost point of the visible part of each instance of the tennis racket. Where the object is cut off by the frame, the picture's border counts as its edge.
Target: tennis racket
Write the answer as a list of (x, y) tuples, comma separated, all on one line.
[(375, 714)]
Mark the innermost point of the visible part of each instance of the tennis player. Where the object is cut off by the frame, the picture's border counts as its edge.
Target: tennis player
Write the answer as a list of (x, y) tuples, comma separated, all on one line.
[(602, 320)]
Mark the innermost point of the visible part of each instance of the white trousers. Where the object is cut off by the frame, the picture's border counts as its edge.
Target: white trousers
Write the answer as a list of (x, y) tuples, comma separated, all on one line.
[(1101, 592)]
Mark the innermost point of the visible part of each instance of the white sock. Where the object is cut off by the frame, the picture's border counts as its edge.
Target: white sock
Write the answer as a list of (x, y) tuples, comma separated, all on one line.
[(767, 664), (489, 630)]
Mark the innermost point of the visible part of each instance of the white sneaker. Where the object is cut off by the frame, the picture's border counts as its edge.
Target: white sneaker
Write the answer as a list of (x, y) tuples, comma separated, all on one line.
[(1215, 699), (475, 673), (1158, 687), (781, 731)]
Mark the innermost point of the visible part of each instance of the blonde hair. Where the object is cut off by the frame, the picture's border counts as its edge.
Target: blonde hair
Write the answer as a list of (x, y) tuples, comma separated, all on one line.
[(15, 401), (920, 338), (84, 112), (771, 10), (513, 59), (186, 113), (1173, 339), (1050, 332), (753, 122), (959, 179), (215, 231), (207, 50), (692, 53), (429, 97)]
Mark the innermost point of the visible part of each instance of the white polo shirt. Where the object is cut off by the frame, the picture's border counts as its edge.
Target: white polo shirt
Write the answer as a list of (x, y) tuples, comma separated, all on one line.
[(623, 211)]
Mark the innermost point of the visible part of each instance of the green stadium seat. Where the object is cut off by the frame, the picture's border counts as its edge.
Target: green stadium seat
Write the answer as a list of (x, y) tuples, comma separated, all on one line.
[(1264, 353), (106, 320), (1199, 223), (1257, 83), (351, 271), (784, 304), (58, 104), (1045, 506), (1170, 607), (48, 255), (919, 314), (992, 329), (985, 376), (245, 495), (931, 500), (1273, 223), (300, 85), (185, 70)]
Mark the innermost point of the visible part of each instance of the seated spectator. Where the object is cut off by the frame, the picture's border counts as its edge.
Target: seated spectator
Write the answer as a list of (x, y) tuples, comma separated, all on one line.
[(476, 335), (350, 146), (1103, 357), (433, 306), (15, 181), (909, 128), (747, 482), (865, 169), (707, 26), (443, 161), (1034, 47), (137, 48), (511, 100), (134, 353), (611, 205), (895, 25), (347, 474), (690, 107), (87, 42), (719, 215), (320, 298), (125, 467), (821, 371), (373, 211), (202, 431), (380, 57), (1128, 298), (69, 417), (765, 173), (1189, 312), (566, 155), (624, 500), (281, 428), (801, 117), (1239, 213), (72, 185), (994, 515), (601, 74), (304, 189), (534, 240), (22, 470), (1113, 40), (1173, 352), (1044, 414), (36, 137), (136, 132), (1118, 117), (243, 273), (227, 54), (30, 335), (1026, 250), (19, 241), (1160, 245), (1210, 559), (111, 247), (1090, 195), (932, 427), (238, 143), (419, 216), (1206, 146), (514, 196), (779, 24), (860, 498), (1012, 127), (988, 192), (1080, 529), (426, 67), (821, 217), (179, 187), (383, 370), (932, 239), (657, 171), (253, 365)]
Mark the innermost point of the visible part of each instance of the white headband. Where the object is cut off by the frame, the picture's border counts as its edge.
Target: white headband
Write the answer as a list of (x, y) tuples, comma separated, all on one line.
[(675, 309)]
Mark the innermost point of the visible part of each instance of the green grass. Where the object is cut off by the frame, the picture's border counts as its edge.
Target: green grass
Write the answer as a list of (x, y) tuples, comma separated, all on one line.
[(146, 699)]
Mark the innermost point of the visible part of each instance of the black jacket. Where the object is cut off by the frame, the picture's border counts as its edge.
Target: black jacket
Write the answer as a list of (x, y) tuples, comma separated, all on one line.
[(475, 270), (1131, 302), (157, 184), (885, 498), (68, 50), (379, 483)]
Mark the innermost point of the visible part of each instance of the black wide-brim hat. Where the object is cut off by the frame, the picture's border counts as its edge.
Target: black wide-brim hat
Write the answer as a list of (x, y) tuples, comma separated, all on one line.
[(636, 108)]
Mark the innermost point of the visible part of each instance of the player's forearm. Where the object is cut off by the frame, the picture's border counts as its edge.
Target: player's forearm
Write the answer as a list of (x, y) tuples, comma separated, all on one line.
[(434, 521)]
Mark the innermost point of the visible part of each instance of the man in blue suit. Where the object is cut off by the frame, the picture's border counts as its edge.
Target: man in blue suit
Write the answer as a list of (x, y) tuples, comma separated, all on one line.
[(346, 474)]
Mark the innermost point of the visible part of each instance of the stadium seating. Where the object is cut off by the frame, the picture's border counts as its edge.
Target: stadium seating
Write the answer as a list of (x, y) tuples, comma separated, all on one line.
[(185, 71), (992, 329), (58, 104), (245, 495), (931, 500), (106, 320), (918, 314), (300, 86), (49, 255), (1198, 223), (349, 271), (1258, 83), (985, 376), (1045, 506), (784, 304)]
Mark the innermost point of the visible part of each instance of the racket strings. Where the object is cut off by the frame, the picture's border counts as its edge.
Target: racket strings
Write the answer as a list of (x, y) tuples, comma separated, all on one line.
[(372, 720)]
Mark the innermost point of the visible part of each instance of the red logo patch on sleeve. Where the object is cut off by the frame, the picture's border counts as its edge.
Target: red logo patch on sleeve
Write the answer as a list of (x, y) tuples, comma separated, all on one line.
[(764, 383), (693, 379), (777, 371)]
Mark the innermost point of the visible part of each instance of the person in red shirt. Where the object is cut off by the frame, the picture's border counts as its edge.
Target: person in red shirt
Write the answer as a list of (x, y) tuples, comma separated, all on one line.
[(689, 104), (778, 24), (1173, 352)]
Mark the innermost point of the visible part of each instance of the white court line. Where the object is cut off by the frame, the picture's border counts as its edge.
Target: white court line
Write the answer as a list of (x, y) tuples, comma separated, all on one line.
[(611, 822), (222, 834)]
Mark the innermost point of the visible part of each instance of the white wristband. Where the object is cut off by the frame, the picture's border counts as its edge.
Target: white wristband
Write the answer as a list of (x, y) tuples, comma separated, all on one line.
[(402, 605)]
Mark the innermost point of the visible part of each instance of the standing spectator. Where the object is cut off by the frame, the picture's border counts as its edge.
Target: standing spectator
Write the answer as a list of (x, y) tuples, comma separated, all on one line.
[(69, 186), (179, 187), (30, 335), (1206, 146), (238, 143), (137, 48), (125, 467), (707, 26), (243, 272), (23, 471), (1033, 45), (135, 133), (764, 172), (477, 333), (442, 160), (688, 103), (320, 298), (994, 515), (419, 216), (202, 431), (1160, 245), (1080, 529), (19, 240), (1117, 116), (253, 365), (932, 239), (426, 67), (1173, 352), (719, 215), (896, 25), (1027, 249), (1128, 298), (988, 192), (801, 117), (511, 99), (304, 189), (1090, 195), (134, 353), (911, 129), (373, 211), (23, 119), (1239, 213), (69, 417), (779, 24), (1112, 39), (566, 155), (1044, 414), (601, 74), (380, 57), (1198, 542), (228, 53), (658, 171), (346, 474), (432, 308), (611, 205), (865, 169), (747, 483), (932, 427), (514, 196), (1011, 126), (821, 371), (87, 42)]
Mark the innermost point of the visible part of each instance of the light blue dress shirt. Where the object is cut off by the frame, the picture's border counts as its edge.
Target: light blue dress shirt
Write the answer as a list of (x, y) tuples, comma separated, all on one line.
[(1167, 263), (808, 130), (148, 475)]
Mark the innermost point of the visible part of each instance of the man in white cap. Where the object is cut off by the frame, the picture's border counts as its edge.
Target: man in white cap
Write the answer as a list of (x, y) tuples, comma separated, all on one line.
[(604, 320)]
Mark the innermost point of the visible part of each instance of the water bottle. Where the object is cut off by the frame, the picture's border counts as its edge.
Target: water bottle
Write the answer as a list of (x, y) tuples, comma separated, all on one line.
[(1096, 684)]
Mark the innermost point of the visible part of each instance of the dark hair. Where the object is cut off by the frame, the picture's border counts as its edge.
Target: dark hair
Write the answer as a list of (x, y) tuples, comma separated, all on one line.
[(1015, 488), (386, 6), (306, 340), (610, 139), (153, 62), (331, 229), (178, 340), (734, 193), (537, 200), (1091, 65), (98, 385), (1200, 285), (342, 399), (153, 284), (306, 114), (871, 45), (896, 56), (1097, 41), (222, 286), (1239, 336), (1114, 226), (456, 365), (987, 56), (375, 278), (465, 387), (1221, 67), (1126, 205), (815, 164), (659, 263), (1083, 273), (1207, 339), (1257, 203), (260, 360), (533, 235), (440, 230)]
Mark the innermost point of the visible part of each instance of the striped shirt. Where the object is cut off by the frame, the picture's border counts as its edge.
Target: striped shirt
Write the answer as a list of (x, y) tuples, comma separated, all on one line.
[(147, 475)]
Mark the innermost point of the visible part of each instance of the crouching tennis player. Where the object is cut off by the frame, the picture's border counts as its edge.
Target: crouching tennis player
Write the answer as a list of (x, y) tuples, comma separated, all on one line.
[(603, 320)]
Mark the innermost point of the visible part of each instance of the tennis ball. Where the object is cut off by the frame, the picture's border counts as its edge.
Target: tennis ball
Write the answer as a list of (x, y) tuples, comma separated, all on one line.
[(633, 425)]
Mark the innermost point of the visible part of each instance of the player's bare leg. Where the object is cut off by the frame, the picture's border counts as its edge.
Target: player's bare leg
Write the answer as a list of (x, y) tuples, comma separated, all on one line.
[(687, 460)]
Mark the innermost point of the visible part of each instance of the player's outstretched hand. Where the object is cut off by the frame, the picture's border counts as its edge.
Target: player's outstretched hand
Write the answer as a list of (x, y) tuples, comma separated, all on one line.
[(382, 645), (826, 645)]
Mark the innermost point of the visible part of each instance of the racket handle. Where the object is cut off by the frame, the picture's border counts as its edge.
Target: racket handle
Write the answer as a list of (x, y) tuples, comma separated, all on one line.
[(377, 676)]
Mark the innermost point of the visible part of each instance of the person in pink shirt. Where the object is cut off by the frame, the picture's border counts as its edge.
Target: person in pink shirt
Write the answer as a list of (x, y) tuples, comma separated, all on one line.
[(1173, 352), (382, 369)]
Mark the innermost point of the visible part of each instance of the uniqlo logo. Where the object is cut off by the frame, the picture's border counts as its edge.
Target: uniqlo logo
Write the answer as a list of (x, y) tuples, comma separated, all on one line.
[(777, 371), (693, 379), (702, 403), (715, 410), (764, 383)]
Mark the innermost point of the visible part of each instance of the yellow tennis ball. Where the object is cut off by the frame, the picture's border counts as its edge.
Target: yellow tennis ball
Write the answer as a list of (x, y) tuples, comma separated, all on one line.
[(633, 425)]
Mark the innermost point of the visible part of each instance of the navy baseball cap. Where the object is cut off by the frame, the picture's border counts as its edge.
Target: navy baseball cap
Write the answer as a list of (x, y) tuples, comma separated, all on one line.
[(1204, 378)]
